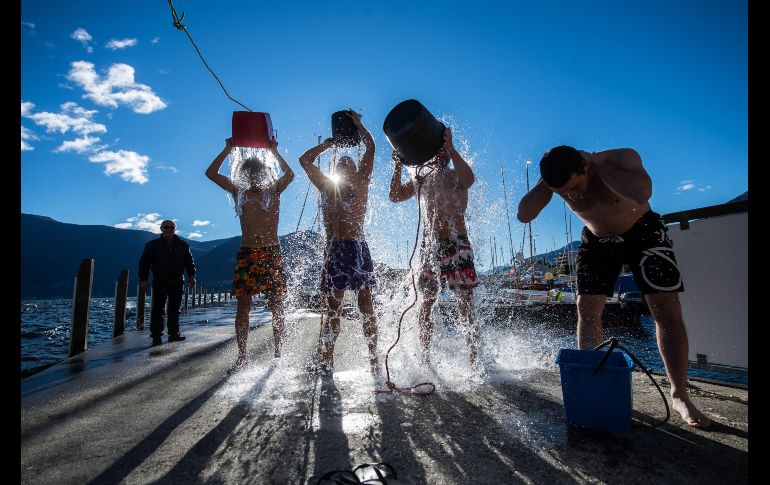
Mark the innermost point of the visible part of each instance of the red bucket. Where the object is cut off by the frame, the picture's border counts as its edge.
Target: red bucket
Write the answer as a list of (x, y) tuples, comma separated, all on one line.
[(252, 129)]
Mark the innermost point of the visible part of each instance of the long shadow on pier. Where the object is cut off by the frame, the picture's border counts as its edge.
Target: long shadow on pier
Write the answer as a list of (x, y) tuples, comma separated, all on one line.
[(332, 451), (190, 468), (82, 406)]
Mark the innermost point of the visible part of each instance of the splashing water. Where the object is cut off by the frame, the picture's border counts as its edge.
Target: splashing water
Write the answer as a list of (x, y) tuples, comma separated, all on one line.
[(252, 169)]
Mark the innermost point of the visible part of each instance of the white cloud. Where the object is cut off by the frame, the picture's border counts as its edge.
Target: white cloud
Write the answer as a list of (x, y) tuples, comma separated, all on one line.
[(84, 144), (196, 223), (30, 25), (115, 44), (72, 117), (195, 234), (131, 166), (168, 167), (27, 107), (83, 37), (145, 222), (27, 135), (686, 185), (155, 40), (116, 88)]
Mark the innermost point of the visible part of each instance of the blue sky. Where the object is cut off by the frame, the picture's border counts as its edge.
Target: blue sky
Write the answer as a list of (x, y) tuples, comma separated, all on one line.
[(120, 118)]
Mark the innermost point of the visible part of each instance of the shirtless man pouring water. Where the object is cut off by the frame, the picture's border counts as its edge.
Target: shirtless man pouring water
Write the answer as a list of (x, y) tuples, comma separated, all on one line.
[(446, 254), (348, 264), (259, 268)]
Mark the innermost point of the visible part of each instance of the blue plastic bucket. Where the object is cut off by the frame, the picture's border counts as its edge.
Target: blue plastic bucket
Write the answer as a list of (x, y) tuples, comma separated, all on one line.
[(596, 397)]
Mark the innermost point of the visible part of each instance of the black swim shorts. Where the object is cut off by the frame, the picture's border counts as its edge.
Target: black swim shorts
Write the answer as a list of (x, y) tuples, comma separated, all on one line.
[(646, 248)]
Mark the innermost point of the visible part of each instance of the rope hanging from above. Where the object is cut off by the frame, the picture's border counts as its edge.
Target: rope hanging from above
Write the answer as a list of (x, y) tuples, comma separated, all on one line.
[(179, 26)]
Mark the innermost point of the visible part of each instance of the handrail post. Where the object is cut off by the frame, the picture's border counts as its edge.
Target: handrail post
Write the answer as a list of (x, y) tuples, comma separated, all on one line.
[(81, 302), (121, 294)]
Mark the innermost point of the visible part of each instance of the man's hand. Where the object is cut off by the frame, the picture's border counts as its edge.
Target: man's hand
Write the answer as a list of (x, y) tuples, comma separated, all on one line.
[(192, 283), (329, 142), (396, 158), (356, 117), (448, 139), (274, 145), (228, 144), (143, 286)]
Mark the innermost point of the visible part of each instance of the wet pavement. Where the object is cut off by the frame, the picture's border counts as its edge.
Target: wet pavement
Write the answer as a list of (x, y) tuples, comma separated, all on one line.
[(128, 412)]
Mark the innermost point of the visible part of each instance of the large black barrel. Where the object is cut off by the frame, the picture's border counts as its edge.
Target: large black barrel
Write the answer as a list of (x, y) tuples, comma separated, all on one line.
[(413, 132), (344, 130)]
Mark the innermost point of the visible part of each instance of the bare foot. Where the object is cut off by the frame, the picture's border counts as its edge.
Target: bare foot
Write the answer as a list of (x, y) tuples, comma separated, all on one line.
[(319, 367), (690, 413), (239, 365)]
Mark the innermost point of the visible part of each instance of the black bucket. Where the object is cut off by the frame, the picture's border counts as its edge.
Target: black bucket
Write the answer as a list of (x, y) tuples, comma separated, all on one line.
[(344, 130), (413, 132)]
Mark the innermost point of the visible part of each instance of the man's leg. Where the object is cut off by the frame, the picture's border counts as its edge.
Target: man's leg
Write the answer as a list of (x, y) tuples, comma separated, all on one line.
[(370, 324), (275, 304), (242, 327), (589, 326), (673, 346), (424, 321), (174, 302), (158, 311), (331, 328), (464, 295)]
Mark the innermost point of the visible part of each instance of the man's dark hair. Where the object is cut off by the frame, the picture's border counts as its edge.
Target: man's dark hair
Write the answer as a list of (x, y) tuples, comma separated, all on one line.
[(559, 163)]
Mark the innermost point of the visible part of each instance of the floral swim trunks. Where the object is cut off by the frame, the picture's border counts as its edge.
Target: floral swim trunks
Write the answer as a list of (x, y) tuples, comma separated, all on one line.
[(449, 260), (258, 270)]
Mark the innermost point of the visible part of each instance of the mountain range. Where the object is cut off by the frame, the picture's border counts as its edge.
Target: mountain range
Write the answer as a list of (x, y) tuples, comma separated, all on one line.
[(51, 252)]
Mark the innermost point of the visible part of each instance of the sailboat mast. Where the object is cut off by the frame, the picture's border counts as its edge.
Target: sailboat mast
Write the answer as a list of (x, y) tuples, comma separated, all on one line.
[(507, 213), (491, 255), (531, 245)]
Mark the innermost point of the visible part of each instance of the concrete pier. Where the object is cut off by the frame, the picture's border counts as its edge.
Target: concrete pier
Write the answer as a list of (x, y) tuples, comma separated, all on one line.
[(127, 412)]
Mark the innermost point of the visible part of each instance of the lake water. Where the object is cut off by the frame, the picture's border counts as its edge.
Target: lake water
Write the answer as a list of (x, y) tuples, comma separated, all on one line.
[(45, 335)]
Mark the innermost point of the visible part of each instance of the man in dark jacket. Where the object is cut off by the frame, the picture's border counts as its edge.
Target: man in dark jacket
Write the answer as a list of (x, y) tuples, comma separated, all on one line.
[(168, 257)]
